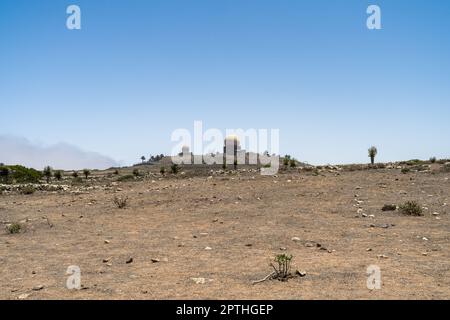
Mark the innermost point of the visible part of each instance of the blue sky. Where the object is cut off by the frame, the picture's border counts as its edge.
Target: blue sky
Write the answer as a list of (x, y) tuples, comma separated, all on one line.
[(137, 70)]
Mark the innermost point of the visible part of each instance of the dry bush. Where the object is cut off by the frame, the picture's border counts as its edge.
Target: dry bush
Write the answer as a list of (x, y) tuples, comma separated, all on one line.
[(411, 208), (120, 202)]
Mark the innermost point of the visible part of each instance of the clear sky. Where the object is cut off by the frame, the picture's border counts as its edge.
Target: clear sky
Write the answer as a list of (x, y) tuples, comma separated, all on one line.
[(139, 69)]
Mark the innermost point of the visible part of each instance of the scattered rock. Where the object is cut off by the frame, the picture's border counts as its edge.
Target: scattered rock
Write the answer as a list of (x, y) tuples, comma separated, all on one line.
[(300, 273), (296, 239), (23, 296), (39, 287), (155, 260), (199, 280), (107, 259), (129, 260), (208, 248)]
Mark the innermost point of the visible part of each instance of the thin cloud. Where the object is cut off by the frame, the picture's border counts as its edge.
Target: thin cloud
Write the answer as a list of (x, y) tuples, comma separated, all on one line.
[(18, 150)]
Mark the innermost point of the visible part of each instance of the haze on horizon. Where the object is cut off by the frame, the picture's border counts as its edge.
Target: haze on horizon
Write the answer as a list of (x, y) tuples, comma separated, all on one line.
[(116, 89)]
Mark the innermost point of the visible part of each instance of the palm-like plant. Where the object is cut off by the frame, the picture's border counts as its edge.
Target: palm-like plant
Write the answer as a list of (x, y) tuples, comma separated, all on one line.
[(372, 153)]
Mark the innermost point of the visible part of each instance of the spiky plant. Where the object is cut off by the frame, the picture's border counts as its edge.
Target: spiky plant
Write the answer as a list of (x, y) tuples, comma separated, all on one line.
[(372, 154)]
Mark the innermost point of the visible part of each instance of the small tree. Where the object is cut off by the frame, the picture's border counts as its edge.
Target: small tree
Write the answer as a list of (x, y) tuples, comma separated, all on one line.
[(58, 175), (174, 168), (48, 173), (4, 174), (292, 163), (372, 154), (143, 159), (86, 173), (286, 160), (75, 174)]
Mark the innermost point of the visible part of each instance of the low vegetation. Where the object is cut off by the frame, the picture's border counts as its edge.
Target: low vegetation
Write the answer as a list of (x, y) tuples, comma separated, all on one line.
[(411, 208), (19, 174), (174, 168), (28, 190), (120, 202), (47, 173), (14, 228)]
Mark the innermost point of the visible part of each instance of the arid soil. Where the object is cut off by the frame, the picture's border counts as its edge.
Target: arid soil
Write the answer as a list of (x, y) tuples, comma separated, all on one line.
[(226, 229)]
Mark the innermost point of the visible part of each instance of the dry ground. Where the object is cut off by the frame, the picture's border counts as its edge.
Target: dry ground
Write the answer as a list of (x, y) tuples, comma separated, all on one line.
[(246, 219)]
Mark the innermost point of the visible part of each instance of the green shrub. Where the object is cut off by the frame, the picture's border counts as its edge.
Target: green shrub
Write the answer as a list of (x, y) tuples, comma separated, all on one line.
[(75, 174), (14, 228), (47, 173), (136, 172), (58, 175), (28, 190), (127, 177), (292, 163), (405, 170), (372, 154), (162, 170), (286, 160), (21, 174), (283, 268), (411, 208), (86, 173), (174, 168), (77, 180), (4, 174)]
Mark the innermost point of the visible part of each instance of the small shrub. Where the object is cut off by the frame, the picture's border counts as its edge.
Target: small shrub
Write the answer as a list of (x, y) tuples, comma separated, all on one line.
[(47, 173), (283, 267), (372, 154), (389, 207), (86, 173), (433, 159), (77, 180), (4, 174), (116, 172), (28, 190), (405, 170), (446, 167), (162, 170), (174, 168), (58, 175), (14, 228), (120, 202), (75, 174), (292, 163), (411, 208), (127, 177), (136, 172)]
